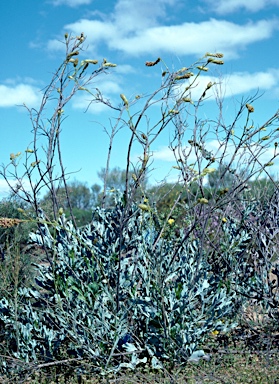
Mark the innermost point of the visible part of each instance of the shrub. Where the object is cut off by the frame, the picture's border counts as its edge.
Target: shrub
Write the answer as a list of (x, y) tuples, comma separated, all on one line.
[(117, 293)]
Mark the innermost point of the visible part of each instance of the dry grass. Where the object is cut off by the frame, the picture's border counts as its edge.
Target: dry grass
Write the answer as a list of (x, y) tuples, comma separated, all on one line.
[(229, 367)]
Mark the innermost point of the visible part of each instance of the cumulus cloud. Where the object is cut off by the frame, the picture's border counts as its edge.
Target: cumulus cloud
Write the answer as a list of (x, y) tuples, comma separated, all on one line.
[(195, 38), (244, 82), (229, 6), (164, 153), (19, 94), (5, 190), (108, 90), (237, 83), (242, 159), (139, 28)]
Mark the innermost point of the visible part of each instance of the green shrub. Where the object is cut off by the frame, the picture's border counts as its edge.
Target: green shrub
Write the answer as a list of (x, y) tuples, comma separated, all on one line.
[(117, 293)]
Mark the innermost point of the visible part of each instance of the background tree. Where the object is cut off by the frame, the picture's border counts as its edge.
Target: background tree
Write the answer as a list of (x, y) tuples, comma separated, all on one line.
[(116, 179), (221, 178), (77, 199)]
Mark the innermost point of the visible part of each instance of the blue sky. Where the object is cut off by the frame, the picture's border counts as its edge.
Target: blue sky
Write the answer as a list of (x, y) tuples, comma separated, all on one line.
[(129, 33)]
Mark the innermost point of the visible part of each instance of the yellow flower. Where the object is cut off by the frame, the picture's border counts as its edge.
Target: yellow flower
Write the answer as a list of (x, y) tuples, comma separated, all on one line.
[(203, 201), (170, 221), (224, 220), (144, 207), (215, 332)]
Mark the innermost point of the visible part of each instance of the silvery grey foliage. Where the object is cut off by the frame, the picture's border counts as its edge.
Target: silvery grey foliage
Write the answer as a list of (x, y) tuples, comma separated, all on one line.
[(250, 246), (116, 295)]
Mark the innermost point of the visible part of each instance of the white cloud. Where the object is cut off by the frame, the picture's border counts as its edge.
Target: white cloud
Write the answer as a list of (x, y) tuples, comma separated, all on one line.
[(229, 6), (55, 45), (195, 38), (244, 82), (163, 154), (107, 88), (125, 69), (90, 107), (71, 3), (136, 28), (16, 95), (243, 158), (237, 83), (5, 190)]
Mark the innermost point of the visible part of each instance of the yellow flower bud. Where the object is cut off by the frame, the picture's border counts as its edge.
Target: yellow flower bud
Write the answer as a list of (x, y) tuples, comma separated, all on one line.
[(144, 207), (109, 65), (14, 156), (202, 68), (60, 211), (206, 171), (72, 54), (218, 62), (223, 191), (89, 61), (125, 100), (250, 108), (145, 158), (203, 201), (185, 76), (218, 55), (183, 69), (34, 163), (224, 220)]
